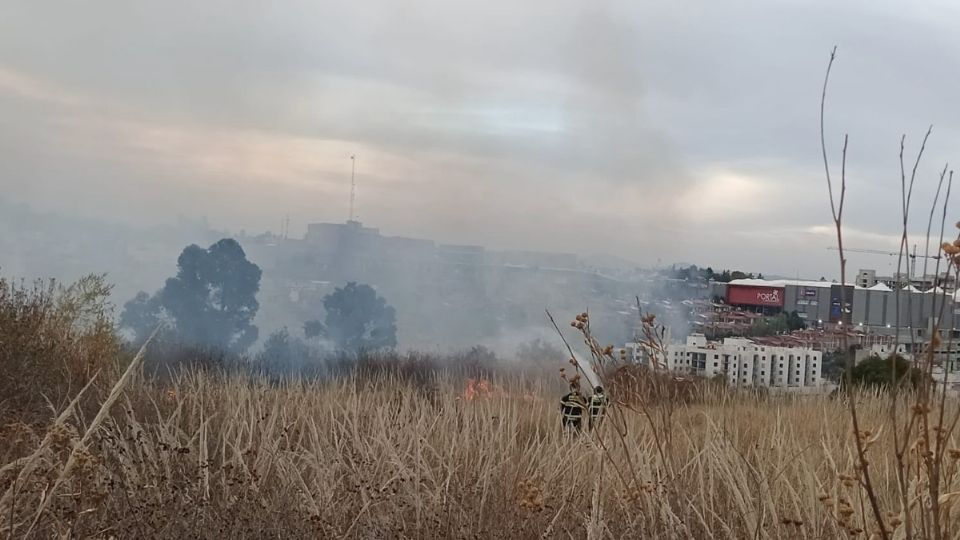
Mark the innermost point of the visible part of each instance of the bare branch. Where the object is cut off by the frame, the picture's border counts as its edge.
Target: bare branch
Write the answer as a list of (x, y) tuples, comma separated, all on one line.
[(836, 210), (823, 141)]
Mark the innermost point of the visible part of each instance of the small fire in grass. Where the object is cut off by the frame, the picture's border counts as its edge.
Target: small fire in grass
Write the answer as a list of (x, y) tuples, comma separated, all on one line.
[(477, 388)]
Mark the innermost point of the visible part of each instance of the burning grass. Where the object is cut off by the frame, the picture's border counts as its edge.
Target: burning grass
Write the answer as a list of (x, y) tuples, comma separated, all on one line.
[(209, 456)]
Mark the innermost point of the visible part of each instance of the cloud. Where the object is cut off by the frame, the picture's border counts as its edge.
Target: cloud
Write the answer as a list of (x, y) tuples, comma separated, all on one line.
[(682, 132)]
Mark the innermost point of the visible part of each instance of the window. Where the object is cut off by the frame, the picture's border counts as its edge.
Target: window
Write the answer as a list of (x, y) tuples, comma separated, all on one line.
[(714, 364), (763, 373)]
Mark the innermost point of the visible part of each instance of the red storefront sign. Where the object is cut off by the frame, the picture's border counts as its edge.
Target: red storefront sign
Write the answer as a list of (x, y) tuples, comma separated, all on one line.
[(747, 295)]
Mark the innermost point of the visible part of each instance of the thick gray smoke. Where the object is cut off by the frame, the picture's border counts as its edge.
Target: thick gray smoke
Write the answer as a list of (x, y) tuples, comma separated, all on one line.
[(446, 297), (48, 245)]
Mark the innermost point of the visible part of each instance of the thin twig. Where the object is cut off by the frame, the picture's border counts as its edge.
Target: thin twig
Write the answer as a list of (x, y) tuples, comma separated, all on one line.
[(837, 212)]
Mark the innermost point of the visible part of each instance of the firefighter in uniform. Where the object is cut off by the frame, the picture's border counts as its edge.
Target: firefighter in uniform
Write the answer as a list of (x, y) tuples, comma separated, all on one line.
[(572, 407), (598, 407)]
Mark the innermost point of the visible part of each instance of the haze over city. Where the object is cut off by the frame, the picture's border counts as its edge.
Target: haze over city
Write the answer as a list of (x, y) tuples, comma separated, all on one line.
[(681, 132), (479, 269)]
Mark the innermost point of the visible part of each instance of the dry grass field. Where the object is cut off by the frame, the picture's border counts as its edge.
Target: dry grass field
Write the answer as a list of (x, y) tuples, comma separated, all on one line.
[(380, 457), (93, 446)]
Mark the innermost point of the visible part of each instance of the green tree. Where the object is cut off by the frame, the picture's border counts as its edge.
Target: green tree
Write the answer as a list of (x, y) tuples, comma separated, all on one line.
[(141, 314), (211, 301), (834, 365), (877, 372), (283, 352), (795, 322), (358, 320)]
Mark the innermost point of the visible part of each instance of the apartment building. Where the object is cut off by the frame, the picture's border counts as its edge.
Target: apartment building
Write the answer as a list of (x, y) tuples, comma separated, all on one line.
[(740, 361)]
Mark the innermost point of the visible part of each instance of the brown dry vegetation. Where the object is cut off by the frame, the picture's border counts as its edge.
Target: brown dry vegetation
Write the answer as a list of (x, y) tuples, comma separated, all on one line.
[(211, 456), (53, 339), (391, 450)]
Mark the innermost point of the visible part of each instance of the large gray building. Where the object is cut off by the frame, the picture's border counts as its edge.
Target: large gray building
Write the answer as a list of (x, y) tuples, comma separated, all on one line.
[(908, 313), (822, 302)]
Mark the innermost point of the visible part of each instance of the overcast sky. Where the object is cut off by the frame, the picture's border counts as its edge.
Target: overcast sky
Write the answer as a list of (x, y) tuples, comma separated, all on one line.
[(657, 131)]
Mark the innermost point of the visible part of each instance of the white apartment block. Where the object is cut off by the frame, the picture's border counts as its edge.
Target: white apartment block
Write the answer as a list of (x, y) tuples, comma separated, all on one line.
[(741, 362)]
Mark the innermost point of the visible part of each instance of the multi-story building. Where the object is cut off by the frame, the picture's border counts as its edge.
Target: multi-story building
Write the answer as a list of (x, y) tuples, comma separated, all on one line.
[(867, 278), (740, 361), (823, 302), (876, 315)]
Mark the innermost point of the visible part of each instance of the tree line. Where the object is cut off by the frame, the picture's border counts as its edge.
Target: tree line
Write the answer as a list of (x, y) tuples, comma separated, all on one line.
[(694, 273), (212, 301)]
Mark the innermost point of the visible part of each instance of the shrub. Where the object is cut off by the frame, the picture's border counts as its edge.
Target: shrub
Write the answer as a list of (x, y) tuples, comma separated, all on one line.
[(876, 372), (53, 339), (634, 384)]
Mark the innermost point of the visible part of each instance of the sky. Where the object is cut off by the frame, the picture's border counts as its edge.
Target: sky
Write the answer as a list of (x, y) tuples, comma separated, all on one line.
[(654, 131)]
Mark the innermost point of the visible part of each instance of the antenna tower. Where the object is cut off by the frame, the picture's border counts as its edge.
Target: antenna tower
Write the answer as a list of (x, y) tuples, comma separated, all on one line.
[(353, 184)]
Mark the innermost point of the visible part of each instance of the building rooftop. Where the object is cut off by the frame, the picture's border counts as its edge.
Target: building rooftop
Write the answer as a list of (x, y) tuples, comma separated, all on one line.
[(754, 282)]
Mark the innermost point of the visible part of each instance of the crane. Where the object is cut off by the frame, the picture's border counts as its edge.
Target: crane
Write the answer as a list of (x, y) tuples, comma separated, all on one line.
[(913, 256)]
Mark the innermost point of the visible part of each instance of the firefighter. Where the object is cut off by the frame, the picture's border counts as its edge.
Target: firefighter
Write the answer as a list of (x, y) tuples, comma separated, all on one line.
[(572, 407), (598, 407)]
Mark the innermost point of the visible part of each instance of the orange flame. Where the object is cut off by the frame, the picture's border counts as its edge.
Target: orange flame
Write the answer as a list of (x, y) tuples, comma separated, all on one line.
[(477, 388)]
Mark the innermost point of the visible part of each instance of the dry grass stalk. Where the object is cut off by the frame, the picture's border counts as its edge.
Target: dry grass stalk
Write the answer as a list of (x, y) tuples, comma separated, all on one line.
[(922, 429)]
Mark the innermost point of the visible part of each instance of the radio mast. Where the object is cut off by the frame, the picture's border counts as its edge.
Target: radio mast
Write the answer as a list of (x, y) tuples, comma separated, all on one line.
[(353, 184)]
